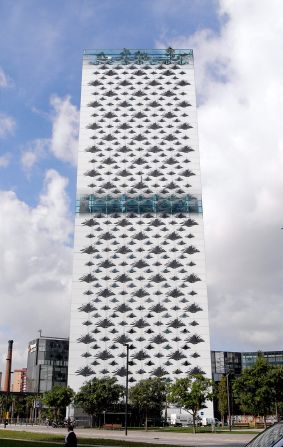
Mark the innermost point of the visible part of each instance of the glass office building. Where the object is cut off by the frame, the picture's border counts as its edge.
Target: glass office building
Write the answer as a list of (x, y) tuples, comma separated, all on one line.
[(47, 364), (223, 362)]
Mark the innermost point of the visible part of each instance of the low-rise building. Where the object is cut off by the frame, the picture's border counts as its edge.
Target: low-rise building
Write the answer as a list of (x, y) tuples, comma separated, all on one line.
[(20, 380), (47, 364), (223, 362)]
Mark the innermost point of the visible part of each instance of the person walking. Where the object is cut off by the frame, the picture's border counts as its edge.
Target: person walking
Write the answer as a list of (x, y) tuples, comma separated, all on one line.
[(71, 438)]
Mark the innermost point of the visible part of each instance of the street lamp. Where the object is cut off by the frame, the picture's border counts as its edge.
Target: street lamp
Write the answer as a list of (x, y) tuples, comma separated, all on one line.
[(127, 388), (228, 400)]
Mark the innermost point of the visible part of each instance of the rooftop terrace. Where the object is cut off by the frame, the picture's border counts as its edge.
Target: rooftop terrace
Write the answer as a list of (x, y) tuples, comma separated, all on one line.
[(127, 56)]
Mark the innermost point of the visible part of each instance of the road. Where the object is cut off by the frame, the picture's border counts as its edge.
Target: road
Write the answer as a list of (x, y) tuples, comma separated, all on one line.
[(169, 438)]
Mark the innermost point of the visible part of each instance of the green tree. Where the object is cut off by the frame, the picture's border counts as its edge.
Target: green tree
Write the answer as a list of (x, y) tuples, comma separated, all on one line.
[(170, 52), (101, 57), (222, 398), (148, 396), (18, 405), (3, 405), (191, 393), (139, 56), (58, 399), (259, 388), (125, 55), (276, 376), (98, 395), (29, 406), (6, 405)]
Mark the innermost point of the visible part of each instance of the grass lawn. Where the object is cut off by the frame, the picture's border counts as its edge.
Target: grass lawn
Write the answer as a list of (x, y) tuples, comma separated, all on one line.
[(15, 443), (10, 438)]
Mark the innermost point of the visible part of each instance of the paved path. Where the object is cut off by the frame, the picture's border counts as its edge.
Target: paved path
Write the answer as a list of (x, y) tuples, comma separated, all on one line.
[(169, 438)]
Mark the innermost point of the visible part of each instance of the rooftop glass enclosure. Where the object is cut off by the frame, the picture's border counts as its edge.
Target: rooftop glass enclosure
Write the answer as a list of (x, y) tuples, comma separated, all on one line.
[(134, 56)]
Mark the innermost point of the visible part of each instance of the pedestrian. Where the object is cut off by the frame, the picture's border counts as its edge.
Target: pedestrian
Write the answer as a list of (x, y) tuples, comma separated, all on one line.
[(71, 438)]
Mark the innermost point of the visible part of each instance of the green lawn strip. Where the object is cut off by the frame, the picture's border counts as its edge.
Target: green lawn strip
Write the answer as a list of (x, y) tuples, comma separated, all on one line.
[(98, 443), (45, 440), (26, 435), (18, 443), (12, 438)]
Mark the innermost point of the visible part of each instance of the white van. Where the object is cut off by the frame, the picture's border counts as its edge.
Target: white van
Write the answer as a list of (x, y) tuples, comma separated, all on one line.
[(181, 420), (211, 421)]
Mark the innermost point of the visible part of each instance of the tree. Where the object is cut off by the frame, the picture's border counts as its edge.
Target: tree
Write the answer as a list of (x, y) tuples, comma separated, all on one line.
[(58, 398), (29, 406), (101, 57), (191, 393), (259, 388), (4, 404), (221, 395), (18, 406), (149, 395), (170, 52), (98, 395), (139, 56), (276, 375), (125, 54)]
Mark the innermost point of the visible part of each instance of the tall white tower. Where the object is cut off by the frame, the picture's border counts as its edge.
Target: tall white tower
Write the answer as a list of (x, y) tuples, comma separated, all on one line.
[(139, 266)]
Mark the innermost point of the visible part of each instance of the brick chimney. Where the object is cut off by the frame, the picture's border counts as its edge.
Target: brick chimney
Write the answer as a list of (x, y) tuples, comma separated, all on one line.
[(7, 380)]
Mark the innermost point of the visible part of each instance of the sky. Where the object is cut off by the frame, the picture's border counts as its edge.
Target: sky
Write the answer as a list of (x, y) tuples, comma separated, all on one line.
[(239, 70)]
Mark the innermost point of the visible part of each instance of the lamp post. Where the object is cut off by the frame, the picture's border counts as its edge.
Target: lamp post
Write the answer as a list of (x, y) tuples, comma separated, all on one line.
[(228, 400), (127, 388)]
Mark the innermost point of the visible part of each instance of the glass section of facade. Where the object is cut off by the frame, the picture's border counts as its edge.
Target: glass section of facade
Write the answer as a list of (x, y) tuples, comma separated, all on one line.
[(47, 364), (139, 56), (223, 362), (233, 362), (273, 357), (138, 205)]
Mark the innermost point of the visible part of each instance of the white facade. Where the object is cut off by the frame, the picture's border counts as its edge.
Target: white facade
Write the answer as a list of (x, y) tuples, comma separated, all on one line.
[(139, 264)]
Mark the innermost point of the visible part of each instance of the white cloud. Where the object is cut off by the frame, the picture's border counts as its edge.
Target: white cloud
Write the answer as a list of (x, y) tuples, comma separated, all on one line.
[(29, 158), (52, 212), (33, 152), (7, 125), (5, 160), (239, 82), (4, 80), (63, 143), (35, 264), (65, 129)]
